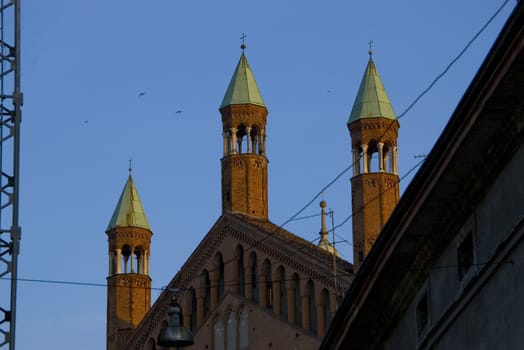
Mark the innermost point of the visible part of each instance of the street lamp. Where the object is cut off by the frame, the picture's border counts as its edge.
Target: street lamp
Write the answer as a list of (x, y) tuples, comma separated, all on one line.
[(175, 335)]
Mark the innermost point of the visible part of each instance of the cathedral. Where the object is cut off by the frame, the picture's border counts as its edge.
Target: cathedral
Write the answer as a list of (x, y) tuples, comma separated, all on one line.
[(251, 284)]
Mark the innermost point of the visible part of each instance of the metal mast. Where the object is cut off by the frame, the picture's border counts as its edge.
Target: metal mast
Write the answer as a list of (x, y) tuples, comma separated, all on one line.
[(10, 118)]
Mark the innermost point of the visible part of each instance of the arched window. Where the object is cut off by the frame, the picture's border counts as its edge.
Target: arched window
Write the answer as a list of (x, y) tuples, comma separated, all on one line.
[(310, 290), (326, 309), (219, 266), (140, 260), (239, 255), (219, 334), (281, 273), (193, 311), (254, 276), (298, 309), (372, 157), (126, 255), (207, 296), (243, 330), (255, 140), (269, 284), (242, 142), (232, 330)]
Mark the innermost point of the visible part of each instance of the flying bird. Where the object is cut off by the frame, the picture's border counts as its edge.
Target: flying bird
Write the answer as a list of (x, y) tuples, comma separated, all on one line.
[(179, 112), (141, 94)]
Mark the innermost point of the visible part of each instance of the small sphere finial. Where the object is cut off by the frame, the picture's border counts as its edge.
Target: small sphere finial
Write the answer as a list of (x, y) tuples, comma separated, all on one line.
[(323, 202), (243, 37)]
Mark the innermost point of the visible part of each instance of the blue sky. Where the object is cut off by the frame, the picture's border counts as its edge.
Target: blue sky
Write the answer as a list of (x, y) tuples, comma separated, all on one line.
[(84, 64)]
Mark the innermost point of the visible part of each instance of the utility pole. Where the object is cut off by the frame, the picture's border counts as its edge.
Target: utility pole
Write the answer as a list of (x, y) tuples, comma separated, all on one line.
[(10, 118)]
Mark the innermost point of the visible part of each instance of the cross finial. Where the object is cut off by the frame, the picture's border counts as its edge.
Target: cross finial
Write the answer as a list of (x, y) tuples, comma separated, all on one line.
[(243, 37), (370, 43), (130, 165)]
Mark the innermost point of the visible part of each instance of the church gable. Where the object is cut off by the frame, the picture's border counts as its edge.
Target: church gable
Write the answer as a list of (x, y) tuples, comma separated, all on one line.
[(254, 262)]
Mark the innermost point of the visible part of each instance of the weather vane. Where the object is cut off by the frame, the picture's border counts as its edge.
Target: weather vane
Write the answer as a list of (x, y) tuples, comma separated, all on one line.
[(243, 37)]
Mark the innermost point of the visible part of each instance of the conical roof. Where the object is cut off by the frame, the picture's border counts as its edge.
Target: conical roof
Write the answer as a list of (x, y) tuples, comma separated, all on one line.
[(242, 88), (372, 100), (129, 210)]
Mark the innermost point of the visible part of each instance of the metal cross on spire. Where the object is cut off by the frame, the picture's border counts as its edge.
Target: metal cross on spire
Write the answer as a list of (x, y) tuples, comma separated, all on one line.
[(370, 43), (243, 37), (130, 165)]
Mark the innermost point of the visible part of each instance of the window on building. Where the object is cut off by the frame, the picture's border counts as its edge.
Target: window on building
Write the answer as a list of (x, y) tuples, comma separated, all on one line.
[(219, 267), (232, 330), (326, 309), (219, 334), (239, 254), (283, 292), (296, 293), (311, 305), (269, 284), (207, 295), (422, 314), (243, 331), (254, 276), (465, 257), (193, 314)]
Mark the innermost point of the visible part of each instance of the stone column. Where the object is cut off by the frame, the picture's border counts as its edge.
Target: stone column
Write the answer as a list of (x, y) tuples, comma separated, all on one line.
[(248, 131), (226, 145), (365, 156), (395, 160), (234, 140), (146, 262), (380, 156), (356, 162), (262, 142), (118, 261), (112, 264)]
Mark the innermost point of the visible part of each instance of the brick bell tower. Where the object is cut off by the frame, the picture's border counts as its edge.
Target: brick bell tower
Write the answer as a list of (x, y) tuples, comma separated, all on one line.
[(244, 164), (128, 283), (373, 127)]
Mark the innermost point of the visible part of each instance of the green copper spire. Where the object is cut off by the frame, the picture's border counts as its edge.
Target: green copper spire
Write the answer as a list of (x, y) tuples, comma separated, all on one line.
[(372, 100), (129, 210), (242, 88)]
